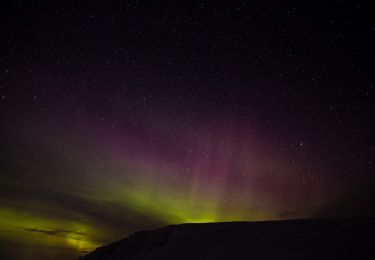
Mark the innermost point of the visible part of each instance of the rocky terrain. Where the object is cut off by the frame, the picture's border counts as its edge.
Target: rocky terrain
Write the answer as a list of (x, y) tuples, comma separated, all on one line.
[(291, 239)]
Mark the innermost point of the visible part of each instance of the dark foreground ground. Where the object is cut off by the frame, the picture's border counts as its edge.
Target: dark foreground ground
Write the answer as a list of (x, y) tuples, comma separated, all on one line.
[(292, 239)]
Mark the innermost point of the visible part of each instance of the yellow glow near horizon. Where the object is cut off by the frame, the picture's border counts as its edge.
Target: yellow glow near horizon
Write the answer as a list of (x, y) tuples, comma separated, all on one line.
[(31, 229)]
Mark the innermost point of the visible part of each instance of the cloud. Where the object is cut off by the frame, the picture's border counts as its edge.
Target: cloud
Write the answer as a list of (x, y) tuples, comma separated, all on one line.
[(55, 232)]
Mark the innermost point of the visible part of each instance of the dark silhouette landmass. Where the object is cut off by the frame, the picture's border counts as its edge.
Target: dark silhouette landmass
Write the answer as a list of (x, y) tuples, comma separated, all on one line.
[(290, 239)]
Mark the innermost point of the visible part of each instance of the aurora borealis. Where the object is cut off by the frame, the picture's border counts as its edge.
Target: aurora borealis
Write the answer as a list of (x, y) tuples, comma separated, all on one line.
[(120, 118)]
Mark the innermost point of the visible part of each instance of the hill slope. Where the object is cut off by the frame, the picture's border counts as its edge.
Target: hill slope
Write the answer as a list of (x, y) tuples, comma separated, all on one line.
[(292, 239)]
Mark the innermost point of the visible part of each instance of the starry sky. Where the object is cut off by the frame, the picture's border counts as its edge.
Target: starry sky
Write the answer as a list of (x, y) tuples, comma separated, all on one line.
[(120, 117)]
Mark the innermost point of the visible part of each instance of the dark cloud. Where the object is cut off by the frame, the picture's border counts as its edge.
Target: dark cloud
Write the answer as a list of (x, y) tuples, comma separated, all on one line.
[(55, 232)]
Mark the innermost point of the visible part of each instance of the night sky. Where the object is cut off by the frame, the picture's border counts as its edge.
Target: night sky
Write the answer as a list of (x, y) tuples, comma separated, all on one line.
[(117, 118)]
